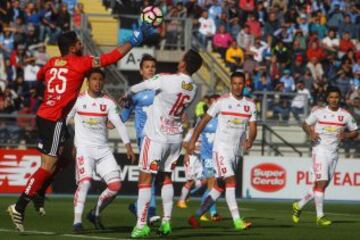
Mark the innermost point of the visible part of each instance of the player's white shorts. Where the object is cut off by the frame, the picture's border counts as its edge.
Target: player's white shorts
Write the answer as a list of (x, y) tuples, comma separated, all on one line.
[(157, 156), (324, 163), (99, 161), (225, 163), (193, 170)]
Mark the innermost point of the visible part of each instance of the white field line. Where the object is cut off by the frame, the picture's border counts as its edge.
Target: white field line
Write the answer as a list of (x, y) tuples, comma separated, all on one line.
[(64, 235)]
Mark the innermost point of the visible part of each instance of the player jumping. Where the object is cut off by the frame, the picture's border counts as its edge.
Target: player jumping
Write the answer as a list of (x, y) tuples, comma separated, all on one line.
[(325, 126), (163, 137), (63, 77)]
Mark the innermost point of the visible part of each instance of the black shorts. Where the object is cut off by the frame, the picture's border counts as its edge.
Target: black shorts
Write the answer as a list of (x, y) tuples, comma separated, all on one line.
[(52, 135)]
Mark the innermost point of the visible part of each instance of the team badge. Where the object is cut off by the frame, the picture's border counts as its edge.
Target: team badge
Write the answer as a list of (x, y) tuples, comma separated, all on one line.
[(246, 108), (154, 166), (340, 118), (102, 107)]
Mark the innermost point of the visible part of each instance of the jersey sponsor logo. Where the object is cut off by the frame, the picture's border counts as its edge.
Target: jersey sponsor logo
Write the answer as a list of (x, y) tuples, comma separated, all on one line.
[(340, 118), (16, 168), (246, 108), (268, 177), (60, 62), (92, 121), (96, 62), (103, 107), (187, 86)]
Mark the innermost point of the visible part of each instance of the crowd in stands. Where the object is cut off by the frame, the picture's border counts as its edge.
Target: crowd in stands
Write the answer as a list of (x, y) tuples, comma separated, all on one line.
[(286, 46), (26, 28)]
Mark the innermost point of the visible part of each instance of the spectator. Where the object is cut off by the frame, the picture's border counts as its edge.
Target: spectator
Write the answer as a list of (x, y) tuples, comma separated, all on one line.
[(222, 41), (336, 18), (234, 56), (345, 44), (343, 83), (355, 82), (244, 38), (282, 53), (49, 23), (64, 18), (235, 27), (6, 42), (300, 100), (281, 104), (302, 24), (263, 82), (207, 29), (30, 73), (315, 68), (215, 11), (274, 69), (307, 79), (257, 49), (316, 27), (15, 11), (272, 24), (348, 26), (18, 28), (315, 51), (247, 5), (174, 28), (31, 37), (331, 42), (285, 33), (254, 25), (297, 67), (288, 81), (40, 54)]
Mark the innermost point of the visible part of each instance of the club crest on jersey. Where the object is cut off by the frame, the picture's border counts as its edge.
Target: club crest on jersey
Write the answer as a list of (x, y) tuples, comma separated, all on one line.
[(96, 62), (60, 62), (187, 86), (246, 108), (340, 118), (102, 107)]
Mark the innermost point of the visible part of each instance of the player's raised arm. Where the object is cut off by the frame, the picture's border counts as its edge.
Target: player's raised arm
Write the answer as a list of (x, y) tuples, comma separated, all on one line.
[(152, 84)]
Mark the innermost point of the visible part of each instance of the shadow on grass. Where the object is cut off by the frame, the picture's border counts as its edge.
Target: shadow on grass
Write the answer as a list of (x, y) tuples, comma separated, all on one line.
[(201, 235), (344, 221)]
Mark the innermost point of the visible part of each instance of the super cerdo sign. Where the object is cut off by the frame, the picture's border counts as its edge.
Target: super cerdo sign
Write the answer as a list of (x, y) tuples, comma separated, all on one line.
[(291, 178), (268, 177)]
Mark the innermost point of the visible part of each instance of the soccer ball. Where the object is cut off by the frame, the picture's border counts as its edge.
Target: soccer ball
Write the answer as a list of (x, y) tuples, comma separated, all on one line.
[(152, 15)]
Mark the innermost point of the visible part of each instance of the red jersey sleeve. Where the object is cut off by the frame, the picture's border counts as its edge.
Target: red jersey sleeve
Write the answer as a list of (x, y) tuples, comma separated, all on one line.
[(89, 62)]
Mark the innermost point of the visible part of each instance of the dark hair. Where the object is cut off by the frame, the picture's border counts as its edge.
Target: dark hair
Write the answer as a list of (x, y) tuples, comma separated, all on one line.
[(193, 61), (65, 41), (237, 74), (332, 89), (147, 57), (95, 70)]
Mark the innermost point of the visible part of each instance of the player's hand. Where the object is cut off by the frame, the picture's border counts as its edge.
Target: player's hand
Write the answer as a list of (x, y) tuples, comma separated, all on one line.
[(186, 159), (342, 136), (314, 136), (109, 125), (248, 144), (190, 148), (125, 101), (142, 33), (130, 153)]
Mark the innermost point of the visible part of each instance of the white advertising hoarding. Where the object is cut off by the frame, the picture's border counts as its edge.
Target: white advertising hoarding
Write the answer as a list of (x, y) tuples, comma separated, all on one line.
[(131, 61), (291, 178)]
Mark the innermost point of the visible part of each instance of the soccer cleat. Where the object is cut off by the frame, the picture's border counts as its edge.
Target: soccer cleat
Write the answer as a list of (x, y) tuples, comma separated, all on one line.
[(204, 218), (95, 220), (296, 212), (140, 232), (193, 222), (216, 218), (78, 228), (323, 221), (241, 224), (164, 229), (16, 217), (132, 209), (181, 204), (39, 202)]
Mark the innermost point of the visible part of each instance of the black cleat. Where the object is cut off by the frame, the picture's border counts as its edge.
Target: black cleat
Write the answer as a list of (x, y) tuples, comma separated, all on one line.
[(95, 220), (39, 205), (78, 228)]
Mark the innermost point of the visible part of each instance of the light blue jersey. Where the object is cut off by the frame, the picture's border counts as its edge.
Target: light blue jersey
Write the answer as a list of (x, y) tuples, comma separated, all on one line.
[(206, 148), (207, 139), (141, 101)]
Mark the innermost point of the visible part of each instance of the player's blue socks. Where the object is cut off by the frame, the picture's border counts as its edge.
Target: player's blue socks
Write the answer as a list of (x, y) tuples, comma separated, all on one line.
[(212, 209), (205, 206)]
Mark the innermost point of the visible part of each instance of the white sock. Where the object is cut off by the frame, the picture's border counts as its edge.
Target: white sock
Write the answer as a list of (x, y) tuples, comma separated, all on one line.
[(231, 202), (319, 202), (167, 195), (184, 192), (306, 199), (79, 200), (106, 197), (143, 204), (215, 193), (198, 184)]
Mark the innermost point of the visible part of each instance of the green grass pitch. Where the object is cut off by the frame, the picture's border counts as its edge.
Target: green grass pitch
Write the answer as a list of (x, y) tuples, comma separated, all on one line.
[(271, 220)]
